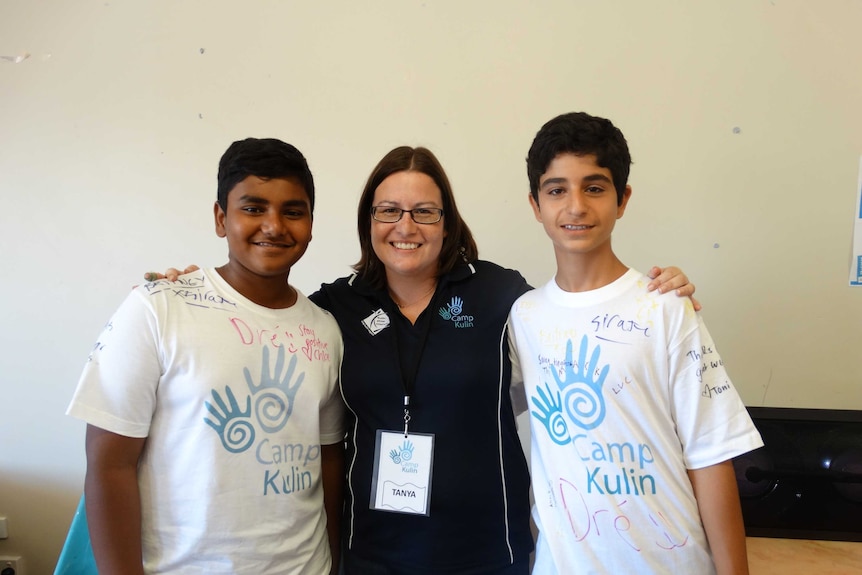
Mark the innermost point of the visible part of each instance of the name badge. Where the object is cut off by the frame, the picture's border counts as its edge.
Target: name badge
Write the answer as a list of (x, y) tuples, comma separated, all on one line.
[(402, 472)]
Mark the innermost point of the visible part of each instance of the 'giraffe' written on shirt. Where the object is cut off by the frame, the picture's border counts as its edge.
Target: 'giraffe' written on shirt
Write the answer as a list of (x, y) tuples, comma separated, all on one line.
[(615, 323)]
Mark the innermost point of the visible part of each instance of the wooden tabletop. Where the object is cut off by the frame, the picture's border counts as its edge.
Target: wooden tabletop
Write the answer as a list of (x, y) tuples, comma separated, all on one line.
[(767, 556)]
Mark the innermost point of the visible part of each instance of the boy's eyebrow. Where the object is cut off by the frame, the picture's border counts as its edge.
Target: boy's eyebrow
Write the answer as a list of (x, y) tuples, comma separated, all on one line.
[(589, 178), (259, 200), (252, 199), (553, 182), (597, 178), (299, 203)]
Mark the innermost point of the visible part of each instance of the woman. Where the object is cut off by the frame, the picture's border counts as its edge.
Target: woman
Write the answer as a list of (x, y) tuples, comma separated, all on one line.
[(441, 341), (426, 378)]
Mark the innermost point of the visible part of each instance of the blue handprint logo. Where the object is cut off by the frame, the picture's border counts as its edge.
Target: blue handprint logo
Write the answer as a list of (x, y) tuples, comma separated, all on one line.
[(232, 424), (583, 400), (405, 453), (452, 309), (274, 398), (551, 415)]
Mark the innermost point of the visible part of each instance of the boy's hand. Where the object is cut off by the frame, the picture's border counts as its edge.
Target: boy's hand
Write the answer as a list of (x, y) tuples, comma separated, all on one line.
[(672, 278), (173, 273)]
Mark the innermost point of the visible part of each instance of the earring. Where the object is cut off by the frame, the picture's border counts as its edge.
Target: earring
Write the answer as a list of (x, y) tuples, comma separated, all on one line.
[(463, 251)]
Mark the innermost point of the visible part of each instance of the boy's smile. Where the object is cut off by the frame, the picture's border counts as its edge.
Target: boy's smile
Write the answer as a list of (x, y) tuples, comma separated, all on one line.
[(268, 227), (577, 205)]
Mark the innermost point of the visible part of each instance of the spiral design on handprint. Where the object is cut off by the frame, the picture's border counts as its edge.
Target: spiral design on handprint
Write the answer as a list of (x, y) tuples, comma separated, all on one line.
[(396, 459), (237, 435), (406, 455), (271, 409), (584, 406), (558, 429), (456, 307)]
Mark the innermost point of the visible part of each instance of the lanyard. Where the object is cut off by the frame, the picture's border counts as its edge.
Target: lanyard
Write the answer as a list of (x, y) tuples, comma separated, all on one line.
[(408, 377)]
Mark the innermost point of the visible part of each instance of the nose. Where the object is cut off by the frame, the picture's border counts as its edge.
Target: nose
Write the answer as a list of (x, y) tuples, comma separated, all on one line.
[(272, 224), (406, 225), (576, 203)]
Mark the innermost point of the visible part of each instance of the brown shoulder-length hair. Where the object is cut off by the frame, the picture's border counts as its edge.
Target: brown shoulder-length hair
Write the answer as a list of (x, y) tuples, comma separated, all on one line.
[(458, 245)]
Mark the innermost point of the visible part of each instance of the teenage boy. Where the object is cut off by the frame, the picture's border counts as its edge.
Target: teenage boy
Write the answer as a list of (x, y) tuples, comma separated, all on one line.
[(634, 421), (214, 421)]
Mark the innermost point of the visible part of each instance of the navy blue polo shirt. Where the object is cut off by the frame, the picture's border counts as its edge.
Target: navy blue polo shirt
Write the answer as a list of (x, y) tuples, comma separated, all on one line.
[(479, 509)]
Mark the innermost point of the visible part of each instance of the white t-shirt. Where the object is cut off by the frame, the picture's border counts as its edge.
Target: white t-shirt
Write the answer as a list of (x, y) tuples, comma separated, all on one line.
[(626, 391), (235, 400)]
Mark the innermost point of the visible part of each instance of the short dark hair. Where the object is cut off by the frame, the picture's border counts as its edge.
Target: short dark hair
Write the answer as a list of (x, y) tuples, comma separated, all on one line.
[(458, 245), (580, 134), (265, 158)]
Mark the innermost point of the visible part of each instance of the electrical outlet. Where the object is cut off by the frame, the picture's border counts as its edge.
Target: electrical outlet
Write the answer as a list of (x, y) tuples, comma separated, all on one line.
[(11, 566)]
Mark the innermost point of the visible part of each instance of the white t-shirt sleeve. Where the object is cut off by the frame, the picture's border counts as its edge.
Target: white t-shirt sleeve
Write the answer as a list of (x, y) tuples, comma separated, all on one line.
[(712, 422), (517, 392), (332, 409), (117, 389), (332, 418)]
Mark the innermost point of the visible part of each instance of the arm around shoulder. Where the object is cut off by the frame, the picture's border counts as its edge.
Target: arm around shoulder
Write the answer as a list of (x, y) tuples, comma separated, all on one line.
[(718, 502), (113, 501)]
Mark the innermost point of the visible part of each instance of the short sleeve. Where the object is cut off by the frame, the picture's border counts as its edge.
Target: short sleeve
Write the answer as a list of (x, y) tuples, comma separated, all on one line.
[(517, 392), (712, 422), (117, 389)]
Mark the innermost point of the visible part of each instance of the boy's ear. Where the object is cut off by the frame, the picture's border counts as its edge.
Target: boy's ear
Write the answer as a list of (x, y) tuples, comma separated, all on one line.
[(219, 220), (626, 197), (537, 212)]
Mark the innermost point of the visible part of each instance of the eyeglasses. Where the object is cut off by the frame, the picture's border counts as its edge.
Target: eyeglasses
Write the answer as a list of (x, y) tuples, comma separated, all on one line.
[(391, 214)]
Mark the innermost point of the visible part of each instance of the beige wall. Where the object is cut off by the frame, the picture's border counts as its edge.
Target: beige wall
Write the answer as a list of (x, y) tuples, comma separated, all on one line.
[(112, 128)]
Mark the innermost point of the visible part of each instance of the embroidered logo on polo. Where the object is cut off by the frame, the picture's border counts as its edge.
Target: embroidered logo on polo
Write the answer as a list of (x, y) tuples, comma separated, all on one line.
[(454, 312)]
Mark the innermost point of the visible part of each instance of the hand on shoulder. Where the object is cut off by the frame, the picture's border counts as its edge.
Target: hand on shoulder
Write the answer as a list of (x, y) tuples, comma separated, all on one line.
[(170, 274), (672, 278)]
